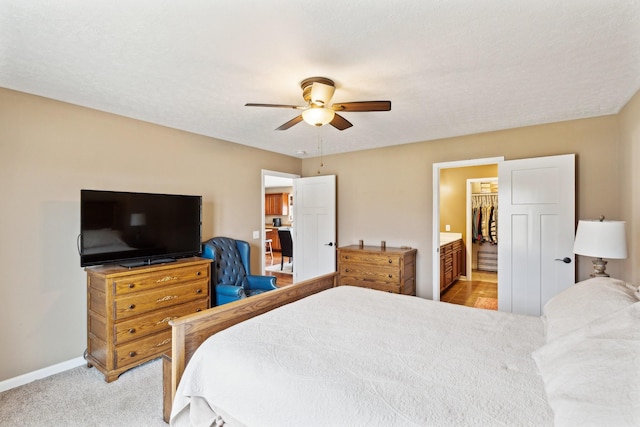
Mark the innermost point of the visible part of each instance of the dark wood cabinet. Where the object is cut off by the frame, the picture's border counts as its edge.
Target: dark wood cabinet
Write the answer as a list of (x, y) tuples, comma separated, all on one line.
[(276, 204), (452, 263)]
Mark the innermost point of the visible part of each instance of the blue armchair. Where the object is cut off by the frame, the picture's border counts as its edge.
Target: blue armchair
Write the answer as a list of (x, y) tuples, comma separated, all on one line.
[(231, 278)]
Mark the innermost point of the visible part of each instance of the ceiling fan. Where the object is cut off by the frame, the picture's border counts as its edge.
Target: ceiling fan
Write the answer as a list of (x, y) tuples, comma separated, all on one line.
[(317, 92)]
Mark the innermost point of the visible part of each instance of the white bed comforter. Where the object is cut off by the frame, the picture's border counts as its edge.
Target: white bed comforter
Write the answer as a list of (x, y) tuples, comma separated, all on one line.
[(357, 357)]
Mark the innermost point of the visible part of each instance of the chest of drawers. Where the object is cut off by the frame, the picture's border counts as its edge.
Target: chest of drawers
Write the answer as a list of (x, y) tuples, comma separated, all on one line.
[(129, 309), (389, 269)]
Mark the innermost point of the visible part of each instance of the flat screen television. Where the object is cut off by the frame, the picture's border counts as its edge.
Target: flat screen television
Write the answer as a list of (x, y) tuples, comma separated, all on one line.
[(134, 229)]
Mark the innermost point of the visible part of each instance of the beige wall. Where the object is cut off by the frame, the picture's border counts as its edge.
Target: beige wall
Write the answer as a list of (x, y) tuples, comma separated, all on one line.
[(49, 151), (630, 184), (386, 194)]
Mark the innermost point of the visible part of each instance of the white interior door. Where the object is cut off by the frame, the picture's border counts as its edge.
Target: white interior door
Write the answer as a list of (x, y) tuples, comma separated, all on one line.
[(536, 222), (314, 224)]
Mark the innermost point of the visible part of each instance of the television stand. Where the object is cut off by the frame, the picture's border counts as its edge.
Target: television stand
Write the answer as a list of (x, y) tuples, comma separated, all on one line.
[(141, 263), (129, 309)]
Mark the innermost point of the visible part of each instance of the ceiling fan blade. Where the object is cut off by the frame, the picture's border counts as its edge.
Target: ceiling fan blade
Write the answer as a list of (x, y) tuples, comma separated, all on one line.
[(340, 122), (290, 123), (362, 106), (296, 107)]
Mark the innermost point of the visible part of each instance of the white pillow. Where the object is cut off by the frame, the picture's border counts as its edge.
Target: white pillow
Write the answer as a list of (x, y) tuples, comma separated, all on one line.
[(592, 375), (584, 302), (635, 289)]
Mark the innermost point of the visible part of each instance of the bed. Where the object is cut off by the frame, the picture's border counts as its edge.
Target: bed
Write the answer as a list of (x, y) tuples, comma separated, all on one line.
[(353, 356)]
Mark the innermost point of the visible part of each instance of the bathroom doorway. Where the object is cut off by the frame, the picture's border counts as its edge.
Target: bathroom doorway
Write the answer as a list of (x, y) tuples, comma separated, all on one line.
[(452, 227)]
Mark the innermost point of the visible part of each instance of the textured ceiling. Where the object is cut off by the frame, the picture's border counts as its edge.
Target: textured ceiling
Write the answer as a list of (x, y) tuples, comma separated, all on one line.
[(449, 67)]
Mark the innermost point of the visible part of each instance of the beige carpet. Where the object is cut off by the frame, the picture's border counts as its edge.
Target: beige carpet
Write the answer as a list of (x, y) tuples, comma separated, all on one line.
[(80, 397), (486, 303), (287, 268)]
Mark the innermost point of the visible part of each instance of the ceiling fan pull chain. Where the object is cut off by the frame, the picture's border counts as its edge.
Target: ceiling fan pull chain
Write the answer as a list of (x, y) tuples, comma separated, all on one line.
[(320, 147)]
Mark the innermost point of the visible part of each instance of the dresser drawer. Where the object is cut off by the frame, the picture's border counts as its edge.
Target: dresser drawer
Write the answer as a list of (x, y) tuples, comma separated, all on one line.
[(390, 260), (158, 321), (380, 286), (136, 304), (370, 272), (154, 279), (136, 351)]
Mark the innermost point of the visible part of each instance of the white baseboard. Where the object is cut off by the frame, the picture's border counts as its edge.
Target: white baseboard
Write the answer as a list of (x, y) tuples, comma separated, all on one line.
[(40, 373)]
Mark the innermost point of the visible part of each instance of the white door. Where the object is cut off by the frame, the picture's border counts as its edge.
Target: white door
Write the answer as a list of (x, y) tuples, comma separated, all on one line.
[(314, 224), (536, 220)]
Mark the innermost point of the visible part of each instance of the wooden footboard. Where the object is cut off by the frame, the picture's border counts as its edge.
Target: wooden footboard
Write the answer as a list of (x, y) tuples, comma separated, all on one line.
[(191, 331)]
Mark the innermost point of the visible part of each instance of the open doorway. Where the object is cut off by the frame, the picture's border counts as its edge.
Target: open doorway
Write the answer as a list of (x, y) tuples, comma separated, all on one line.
[(456, 277), (469, 239), (277, 217)]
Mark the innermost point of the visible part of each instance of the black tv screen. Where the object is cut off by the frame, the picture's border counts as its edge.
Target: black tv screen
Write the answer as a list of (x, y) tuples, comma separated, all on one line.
[(134, 229)]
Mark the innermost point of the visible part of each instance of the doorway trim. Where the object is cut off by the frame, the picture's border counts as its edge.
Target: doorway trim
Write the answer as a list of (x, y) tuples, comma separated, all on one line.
[(265, 173), (436, 212)]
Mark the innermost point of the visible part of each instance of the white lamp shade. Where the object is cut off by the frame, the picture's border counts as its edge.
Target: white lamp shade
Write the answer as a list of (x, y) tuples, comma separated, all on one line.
[(601, 239), (316, 116)]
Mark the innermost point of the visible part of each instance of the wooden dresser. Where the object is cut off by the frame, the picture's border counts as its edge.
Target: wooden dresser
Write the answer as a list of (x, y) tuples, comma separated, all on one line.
[(129, 309), (389, 269)]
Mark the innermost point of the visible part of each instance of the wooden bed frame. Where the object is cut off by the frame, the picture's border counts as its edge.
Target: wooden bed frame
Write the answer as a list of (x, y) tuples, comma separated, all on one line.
[(190, 331)]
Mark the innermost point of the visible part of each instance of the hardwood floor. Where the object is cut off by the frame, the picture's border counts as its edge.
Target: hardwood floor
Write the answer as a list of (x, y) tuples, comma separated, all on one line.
[(282, 278), (467, 292)]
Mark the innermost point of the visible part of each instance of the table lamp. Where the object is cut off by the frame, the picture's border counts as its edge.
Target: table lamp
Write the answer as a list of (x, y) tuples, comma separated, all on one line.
[(600, 239)]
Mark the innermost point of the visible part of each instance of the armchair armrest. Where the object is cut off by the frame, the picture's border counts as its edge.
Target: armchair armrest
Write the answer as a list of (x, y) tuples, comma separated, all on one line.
[(230, 291), (262, 282)]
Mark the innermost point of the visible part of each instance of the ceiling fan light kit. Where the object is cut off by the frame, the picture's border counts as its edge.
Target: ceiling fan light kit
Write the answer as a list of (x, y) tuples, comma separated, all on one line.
[(318, 116), (317, 93)]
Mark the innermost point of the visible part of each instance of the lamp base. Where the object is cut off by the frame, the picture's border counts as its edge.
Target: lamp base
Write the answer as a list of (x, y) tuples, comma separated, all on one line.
[(599, 267)]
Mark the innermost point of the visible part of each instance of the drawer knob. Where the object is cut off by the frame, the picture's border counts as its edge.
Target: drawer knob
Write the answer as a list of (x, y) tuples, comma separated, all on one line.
[(132, 306), (132, 354), (198, 291), (390, 261), (131, 285), (132, 330), (198, 310), (346, 270), (391, 276), (198, 273)]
